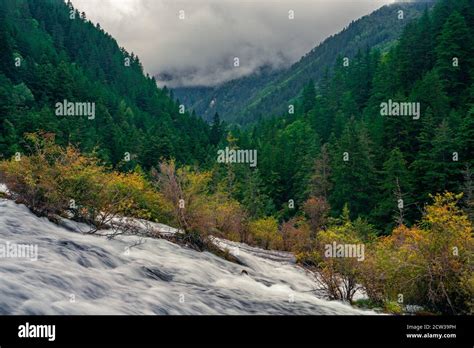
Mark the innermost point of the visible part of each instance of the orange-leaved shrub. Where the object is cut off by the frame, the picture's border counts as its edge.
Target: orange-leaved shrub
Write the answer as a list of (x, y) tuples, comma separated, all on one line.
[(194, 207), (54, 181), (296, 235), (429, 264)]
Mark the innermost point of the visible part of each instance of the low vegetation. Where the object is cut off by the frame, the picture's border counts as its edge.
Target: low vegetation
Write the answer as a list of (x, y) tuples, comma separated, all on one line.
[(427, 264)]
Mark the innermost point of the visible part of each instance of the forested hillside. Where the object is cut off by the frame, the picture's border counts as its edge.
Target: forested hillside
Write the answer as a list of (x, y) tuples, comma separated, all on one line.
[(339, 147), (228, 98), (51, 52), (265, 93)]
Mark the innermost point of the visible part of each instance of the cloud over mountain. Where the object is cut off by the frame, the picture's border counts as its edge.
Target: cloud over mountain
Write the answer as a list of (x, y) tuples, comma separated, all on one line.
[(200, 49)]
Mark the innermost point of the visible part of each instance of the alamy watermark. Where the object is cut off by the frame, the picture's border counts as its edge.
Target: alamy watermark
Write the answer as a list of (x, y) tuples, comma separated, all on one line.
[(67, 108), (37, 331), (345, 250), (392, 108), (237, 156), (19, 251)]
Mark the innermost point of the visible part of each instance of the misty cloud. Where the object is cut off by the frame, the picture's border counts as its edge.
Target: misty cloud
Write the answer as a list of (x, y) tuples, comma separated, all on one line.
[(200, 49)]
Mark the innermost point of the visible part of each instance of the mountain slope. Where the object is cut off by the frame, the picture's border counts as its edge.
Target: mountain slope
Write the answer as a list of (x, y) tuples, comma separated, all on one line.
[(51, 53), (341, 146), (267, 93)]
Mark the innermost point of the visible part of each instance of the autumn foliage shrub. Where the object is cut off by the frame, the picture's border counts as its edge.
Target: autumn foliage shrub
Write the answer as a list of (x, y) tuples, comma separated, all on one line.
[(429, 264), (296, 235), (393, 265), (337, 274), (53, 181), (264, 233), (194, 207), (35, 180), (230, 218), (316, 209)]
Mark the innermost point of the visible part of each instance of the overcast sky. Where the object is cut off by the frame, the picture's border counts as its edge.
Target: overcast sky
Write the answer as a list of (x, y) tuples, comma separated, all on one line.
[(200, 49)]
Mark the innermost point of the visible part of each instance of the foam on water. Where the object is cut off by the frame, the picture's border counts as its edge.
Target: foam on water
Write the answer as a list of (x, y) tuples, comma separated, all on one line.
[(86, 274)]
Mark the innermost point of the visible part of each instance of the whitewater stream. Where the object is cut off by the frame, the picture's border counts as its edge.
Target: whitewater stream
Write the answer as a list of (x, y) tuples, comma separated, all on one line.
[(77, 273)]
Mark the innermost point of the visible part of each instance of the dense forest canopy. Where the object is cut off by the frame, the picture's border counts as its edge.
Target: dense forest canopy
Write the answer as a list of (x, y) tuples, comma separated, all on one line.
[(49, 53), (338, 145)]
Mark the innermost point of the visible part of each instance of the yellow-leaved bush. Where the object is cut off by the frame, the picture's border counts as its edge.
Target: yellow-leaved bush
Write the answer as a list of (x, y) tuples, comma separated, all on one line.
[(429, 264), (264, 232), (53, 180), (338, 274)]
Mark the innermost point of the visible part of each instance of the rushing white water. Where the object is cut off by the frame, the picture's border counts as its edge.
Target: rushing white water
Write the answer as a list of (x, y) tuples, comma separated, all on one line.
[(86, 274)]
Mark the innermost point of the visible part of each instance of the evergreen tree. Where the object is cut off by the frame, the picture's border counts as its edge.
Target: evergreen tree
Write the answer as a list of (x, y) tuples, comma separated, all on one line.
[(435, 167), (252, 195), (396, 201), (321, 178), (216, 130), (6, 52), (309, 95), (353, 171), (465, 138), (453, 55)]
